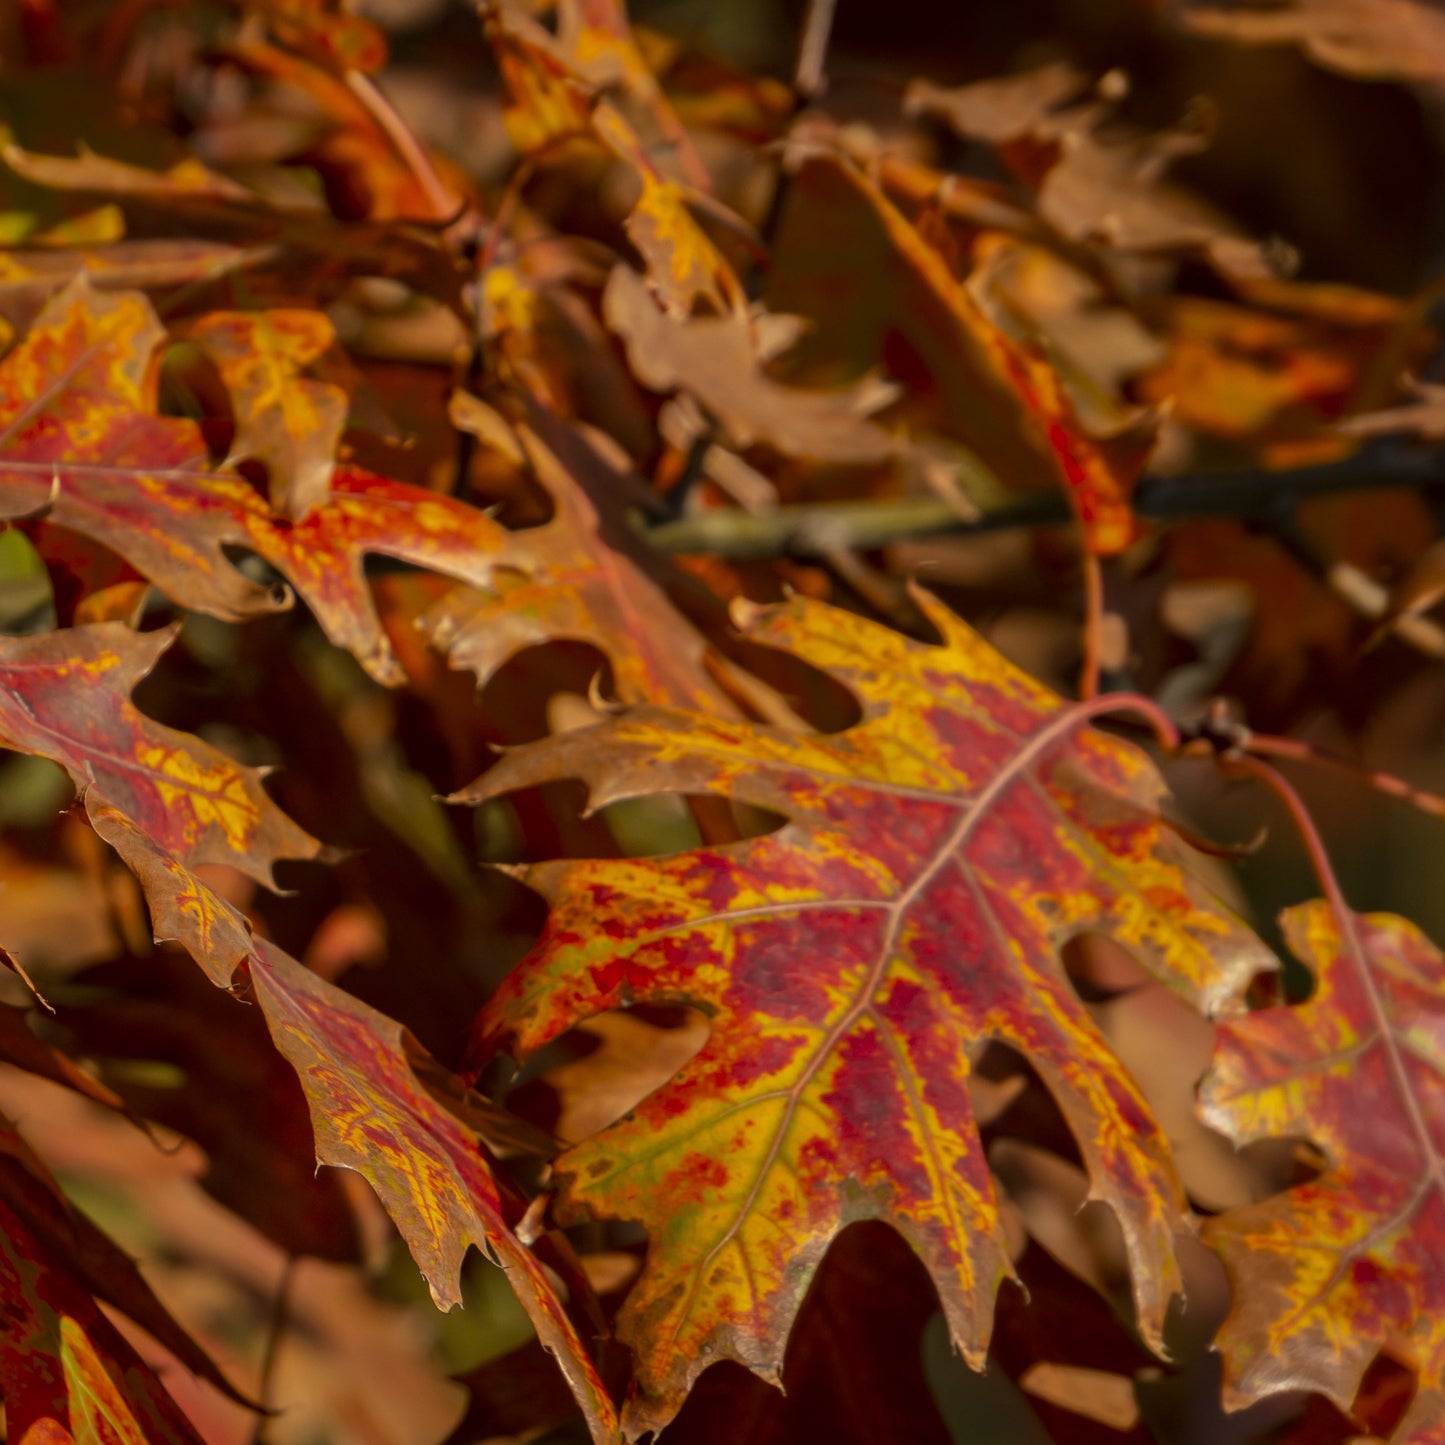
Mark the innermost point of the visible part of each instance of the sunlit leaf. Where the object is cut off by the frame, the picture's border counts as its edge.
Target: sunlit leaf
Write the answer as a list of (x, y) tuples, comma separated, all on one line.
[(290, 423), (594, 588), (79, 435), (935, 858), (380, 1105), (66, 696), (1329, 1273)]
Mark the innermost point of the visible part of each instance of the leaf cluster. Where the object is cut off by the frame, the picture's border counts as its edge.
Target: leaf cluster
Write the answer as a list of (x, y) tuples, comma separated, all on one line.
[(628, 681)]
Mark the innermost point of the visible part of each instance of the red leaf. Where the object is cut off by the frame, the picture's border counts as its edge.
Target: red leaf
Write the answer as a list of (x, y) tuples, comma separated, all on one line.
[(66, 696), (936, 856), (66, 1373), (1331, 1272), (419, 1145), (78, 429)]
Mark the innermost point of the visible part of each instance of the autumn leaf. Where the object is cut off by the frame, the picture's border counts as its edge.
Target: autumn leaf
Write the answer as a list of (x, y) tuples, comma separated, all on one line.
[(1099, 464), (1094, 179), (370, 1110), (1001, 394), (714, 359), (66, 696), (66, 1372), (290, 423), (368, 175), (371, 1114), (594, 587), (79, 435), (286, 235), (682, 263), (1372, 39), (325, 31), (1422, 416), (553, 96), (28, 278), (599, 40), (1327, 1274), (148, 1018), (934, 859)]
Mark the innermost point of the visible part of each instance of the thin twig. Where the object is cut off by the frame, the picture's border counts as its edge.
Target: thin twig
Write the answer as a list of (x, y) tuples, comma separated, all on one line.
[(810, 78), (1358, 591), (1267, 746), (409, 150), (1093, 625), (1245, 495)]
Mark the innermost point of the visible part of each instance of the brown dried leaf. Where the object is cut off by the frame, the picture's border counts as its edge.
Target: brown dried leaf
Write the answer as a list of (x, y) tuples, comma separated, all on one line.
[(715, 359)]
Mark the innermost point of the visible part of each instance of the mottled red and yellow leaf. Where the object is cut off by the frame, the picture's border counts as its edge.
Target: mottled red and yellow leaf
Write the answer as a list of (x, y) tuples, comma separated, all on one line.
[(66, 696), (372, 1114), (66, 1372), (79, 434), (290, 423), (369, 1109), (935, 858), (1331, 1272)]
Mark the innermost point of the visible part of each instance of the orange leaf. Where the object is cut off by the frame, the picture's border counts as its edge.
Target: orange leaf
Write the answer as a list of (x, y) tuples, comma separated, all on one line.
[(593, 589), (936, 856), (1331, 1272), (291, 424), (78, 433), (1002, 394)]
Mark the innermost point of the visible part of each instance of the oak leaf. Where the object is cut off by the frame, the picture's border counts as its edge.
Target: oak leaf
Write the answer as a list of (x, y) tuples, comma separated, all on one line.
[(934, 859), (362, 1075), (283, 419), (79, 436), (998, 392), (714, 358), (592, 586), (1330, 1272), (371, 1113), (1094, 179), (66, 1372), (66, 696)]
